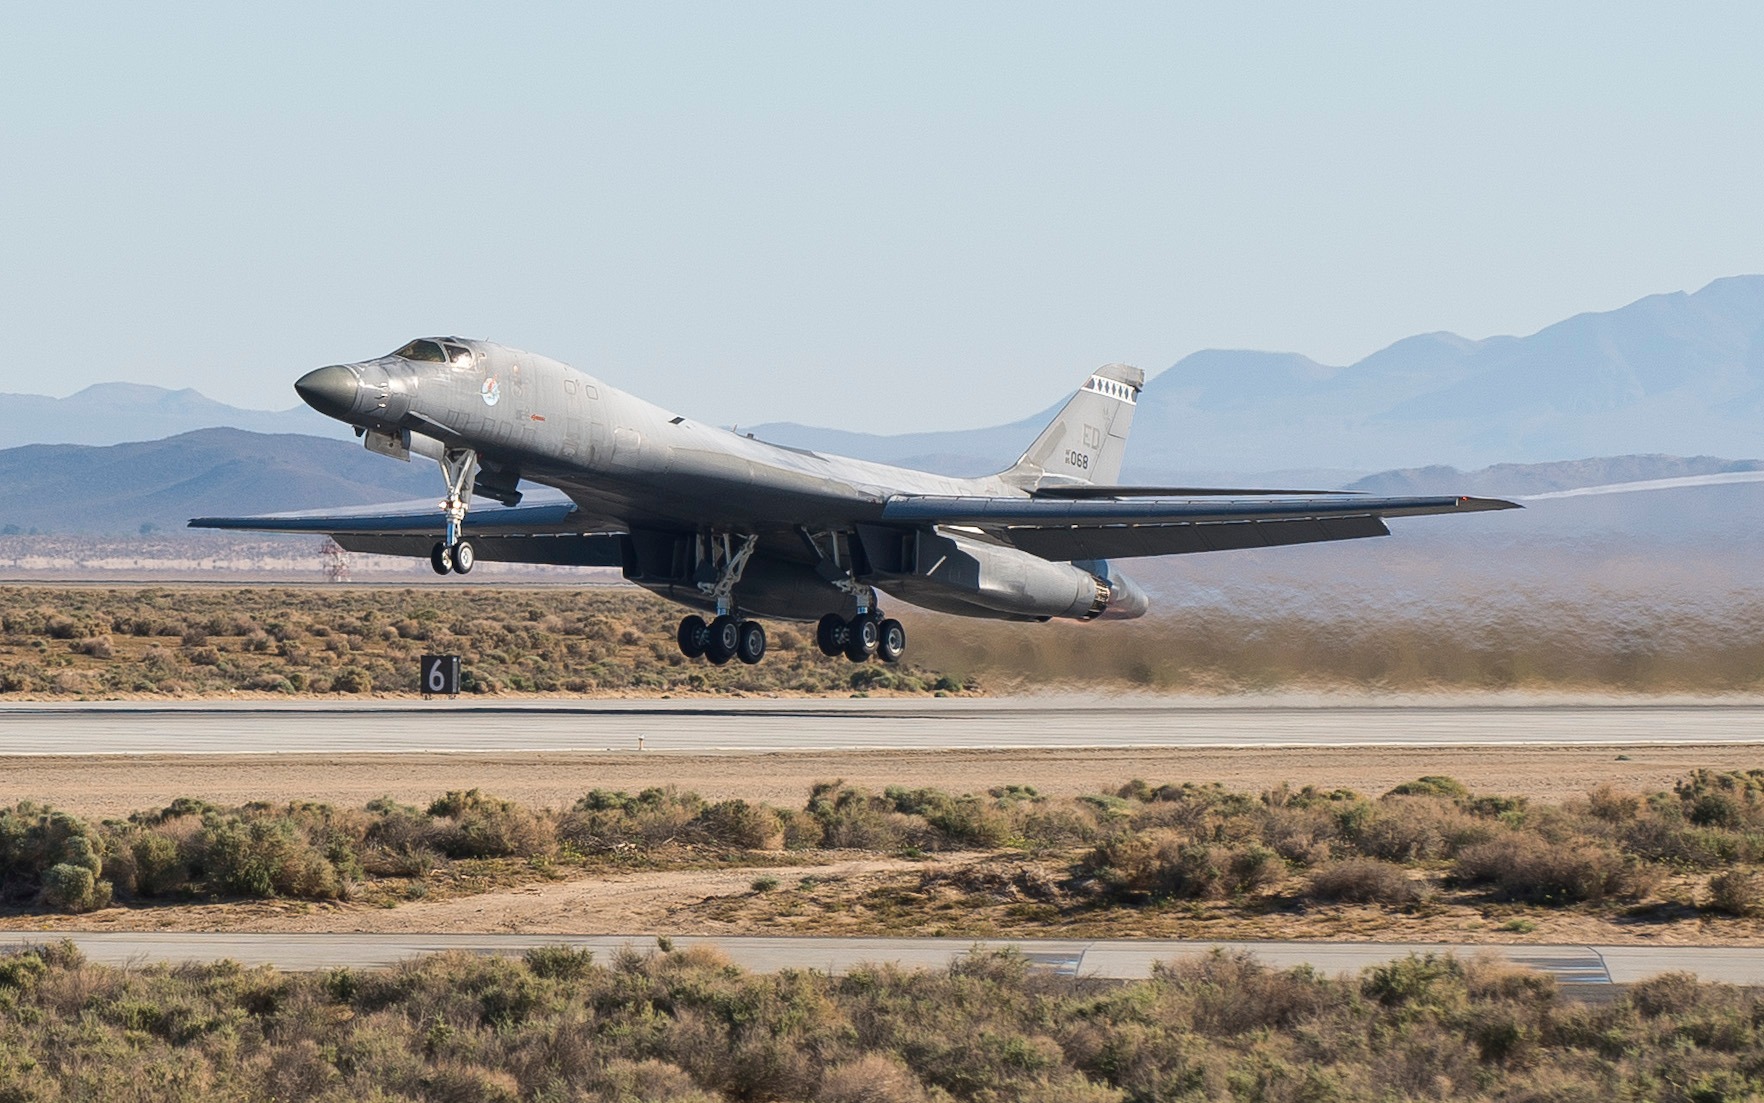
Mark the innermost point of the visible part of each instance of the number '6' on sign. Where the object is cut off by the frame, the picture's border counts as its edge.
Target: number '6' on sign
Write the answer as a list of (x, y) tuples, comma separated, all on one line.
[(440, 675)]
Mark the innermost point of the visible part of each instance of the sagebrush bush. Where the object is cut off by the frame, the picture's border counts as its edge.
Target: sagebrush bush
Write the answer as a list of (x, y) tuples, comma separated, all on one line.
[(488, 827), (1364, 881), (1165, 864), (1534, 871), (265, 857), (1736, 892)]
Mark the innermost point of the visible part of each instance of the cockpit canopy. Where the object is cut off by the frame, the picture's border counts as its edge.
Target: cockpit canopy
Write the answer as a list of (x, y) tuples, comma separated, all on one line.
[(439, 350)]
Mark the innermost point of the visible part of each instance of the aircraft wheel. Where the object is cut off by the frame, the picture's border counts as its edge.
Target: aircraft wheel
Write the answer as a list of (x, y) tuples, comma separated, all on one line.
[(832, 634), (752, 646), (865, 635), (693, 635), (440, 559), (891, 641), (465, 557), (722, 640)]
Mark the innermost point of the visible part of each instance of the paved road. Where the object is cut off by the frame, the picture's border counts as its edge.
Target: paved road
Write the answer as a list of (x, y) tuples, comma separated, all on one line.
[(853, 724), (1575, 965)]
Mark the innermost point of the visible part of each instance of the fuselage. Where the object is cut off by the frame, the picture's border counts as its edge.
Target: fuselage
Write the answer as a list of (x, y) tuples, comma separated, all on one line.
[(608, 449), (631, 466)]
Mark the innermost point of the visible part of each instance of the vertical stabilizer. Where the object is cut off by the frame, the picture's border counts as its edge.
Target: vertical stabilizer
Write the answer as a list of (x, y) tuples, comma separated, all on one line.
[(1088, 438)]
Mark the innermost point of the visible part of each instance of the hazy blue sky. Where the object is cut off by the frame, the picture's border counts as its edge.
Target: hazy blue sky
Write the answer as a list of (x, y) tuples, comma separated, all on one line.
[(874, 216)]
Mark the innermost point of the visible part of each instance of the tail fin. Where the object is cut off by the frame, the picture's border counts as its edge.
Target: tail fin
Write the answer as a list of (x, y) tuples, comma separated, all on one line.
[(1088, 438)]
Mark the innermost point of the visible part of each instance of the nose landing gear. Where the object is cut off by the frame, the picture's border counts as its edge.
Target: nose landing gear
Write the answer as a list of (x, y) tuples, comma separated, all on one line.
[(459, 466)]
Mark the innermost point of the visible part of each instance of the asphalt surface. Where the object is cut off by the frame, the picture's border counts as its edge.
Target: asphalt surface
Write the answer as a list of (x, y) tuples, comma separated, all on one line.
[(1570, 965), (748, 725)]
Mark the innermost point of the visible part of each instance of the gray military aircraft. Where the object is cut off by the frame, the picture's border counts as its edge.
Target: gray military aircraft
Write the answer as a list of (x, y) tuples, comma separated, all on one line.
[(737, 527)]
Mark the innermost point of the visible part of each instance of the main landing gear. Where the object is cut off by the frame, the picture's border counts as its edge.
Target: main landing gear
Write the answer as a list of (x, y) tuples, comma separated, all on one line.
[(728, 636), (723, 639), (459, 466), (862, 636)]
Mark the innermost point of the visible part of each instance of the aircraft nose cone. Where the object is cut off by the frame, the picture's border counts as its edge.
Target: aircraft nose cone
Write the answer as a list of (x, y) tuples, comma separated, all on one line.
[(331, 391)]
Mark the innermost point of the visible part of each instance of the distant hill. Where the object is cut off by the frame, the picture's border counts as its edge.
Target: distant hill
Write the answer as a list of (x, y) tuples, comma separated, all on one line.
[(79, 489), (1518, 479), (111, 413), (1679, 374)]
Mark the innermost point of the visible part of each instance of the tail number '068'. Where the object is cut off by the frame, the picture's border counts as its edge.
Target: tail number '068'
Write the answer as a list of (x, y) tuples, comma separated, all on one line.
[(1077, 459)]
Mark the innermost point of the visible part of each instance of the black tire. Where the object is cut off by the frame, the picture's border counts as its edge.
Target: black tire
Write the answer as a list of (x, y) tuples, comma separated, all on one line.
[(692, 635), (832, 634), (752, 646), (865, 634), (441, 560), (891, 641), (465, 557), (722, 640)]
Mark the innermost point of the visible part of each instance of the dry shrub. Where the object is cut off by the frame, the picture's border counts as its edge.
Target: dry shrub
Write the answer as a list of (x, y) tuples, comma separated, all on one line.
[(651, 1081), (872, 1078), (605, 820), (1532, 870), (1738, 892), (1230, 992), (98, 647), (1303, 835), (856, 819), (1168, 865), (1364, 881), (1613, 805), (487, 827), (418, 861), (739, 824), (1668, 995), (1414, 829), (1431, 786), (265, 857)]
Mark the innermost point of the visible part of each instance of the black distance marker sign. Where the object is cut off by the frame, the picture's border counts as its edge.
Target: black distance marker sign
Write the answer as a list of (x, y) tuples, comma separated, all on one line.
[(440, 675)]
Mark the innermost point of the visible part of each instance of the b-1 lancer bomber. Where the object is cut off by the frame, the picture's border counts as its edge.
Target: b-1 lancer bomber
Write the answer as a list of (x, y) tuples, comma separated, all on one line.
[(737, 528)]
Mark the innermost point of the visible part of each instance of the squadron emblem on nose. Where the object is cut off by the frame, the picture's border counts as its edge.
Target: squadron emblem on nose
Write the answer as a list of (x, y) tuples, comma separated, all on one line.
[(491, 392)]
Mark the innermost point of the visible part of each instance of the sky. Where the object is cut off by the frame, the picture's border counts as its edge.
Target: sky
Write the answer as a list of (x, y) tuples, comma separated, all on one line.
[(877, 217)]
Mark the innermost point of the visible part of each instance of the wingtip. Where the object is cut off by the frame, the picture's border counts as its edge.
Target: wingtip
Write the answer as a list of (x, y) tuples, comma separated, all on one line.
[(1471, 502)]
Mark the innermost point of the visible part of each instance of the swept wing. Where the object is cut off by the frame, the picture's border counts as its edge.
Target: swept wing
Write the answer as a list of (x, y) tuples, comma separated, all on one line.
[(545, 528), (1125, 526)]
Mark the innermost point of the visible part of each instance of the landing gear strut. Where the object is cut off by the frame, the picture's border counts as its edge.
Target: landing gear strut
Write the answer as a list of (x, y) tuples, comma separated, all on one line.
[(868, 633), (459, 466)]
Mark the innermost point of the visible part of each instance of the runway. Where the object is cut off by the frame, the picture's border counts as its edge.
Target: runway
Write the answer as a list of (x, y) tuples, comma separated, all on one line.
[(769, 725), (1121, 960)]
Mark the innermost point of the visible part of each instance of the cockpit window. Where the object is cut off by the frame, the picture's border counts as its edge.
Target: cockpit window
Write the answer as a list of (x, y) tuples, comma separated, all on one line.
[(459, 356), (423, 350)]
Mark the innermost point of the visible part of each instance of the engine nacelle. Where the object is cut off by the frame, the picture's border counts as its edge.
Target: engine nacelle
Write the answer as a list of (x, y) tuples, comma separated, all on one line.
[(960, 573)]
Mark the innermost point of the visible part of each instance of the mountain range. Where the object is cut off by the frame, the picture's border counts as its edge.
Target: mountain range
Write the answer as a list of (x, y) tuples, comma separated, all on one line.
[(111, 413), (1679, 373), (116, 489)]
